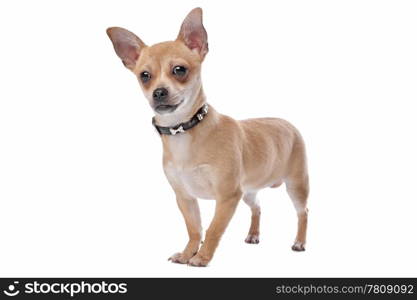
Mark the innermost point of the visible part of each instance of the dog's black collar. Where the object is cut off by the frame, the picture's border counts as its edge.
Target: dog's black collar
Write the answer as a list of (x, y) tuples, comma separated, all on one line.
[(182, 127)]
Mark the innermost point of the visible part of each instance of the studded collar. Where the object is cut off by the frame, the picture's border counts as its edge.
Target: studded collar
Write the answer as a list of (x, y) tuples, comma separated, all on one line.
[(182, 127)]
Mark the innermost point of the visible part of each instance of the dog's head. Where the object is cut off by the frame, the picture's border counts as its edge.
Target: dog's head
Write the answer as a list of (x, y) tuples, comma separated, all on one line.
[(168, 72)]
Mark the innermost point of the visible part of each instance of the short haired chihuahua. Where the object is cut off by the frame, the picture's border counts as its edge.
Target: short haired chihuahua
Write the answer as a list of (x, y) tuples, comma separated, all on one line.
[(206, 154)]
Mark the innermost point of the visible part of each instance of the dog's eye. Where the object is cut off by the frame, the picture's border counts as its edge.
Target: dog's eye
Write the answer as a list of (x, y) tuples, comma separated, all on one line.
[(145, 76), (179, 71)]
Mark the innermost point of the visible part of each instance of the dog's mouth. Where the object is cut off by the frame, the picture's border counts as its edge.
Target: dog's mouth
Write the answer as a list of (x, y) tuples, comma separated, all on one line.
[(166, 108)]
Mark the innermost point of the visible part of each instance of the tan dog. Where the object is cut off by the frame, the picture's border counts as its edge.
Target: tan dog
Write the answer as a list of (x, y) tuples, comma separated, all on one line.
[(207, 154)]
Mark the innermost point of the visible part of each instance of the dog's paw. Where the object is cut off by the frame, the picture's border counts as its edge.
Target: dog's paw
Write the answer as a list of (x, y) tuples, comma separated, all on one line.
[(298, 246), (252, 239), (198, 261), (179, 258)]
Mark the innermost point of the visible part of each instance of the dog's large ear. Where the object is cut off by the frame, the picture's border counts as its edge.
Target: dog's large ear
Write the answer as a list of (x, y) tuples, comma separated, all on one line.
[(126, 44), (193, 34)]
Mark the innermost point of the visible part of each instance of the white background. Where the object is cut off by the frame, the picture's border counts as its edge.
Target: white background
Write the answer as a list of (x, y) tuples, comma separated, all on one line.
[(82, 191)]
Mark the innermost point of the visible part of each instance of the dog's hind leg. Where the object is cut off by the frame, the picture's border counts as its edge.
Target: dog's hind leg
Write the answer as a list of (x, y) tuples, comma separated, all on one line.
[(251, 200), (298, 189)]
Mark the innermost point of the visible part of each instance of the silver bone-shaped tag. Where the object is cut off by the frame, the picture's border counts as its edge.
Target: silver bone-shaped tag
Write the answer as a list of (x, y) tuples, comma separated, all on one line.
[(175, 131)]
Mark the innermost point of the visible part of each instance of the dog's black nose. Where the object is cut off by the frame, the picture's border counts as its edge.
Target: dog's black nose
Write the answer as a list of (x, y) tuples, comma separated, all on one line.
[(160, 94)]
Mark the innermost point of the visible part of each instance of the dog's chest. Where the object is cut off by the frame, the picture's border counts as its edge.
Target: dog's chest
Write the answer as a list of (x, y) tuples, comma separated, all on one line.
[(184, 171)]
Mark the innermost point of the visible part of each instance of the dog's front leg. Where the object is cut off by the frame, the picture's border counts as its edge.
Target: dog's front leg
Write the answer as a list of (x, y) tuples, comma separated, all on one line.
[(225, 208), (191, 213)]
